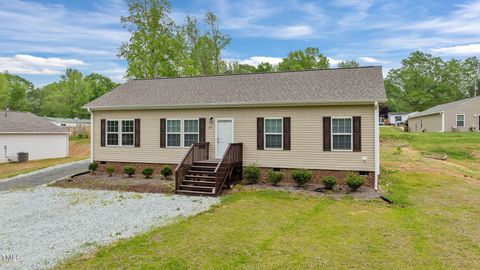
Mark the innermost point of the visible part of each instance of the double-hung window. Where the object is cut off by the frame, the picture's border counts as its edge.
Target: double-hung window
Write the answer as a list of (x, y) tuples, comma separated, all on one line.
[(120, 132), (460, 120), (190, 132), (273, 133), (342, 133), (174, 132)]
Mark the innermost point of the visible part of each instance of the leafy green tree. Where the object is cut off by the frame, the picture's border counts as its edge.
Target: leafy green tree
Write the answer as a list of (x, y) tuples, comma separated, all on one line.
[(220, 40), (310, 58), (265, 67), (236, 68), (154, 46), (348, 64), (99, 85), (4, 93)]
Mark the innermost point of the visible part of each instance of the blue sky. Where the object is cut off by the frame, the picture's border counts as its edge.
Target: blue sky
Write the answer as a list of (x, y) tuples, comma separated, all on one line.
[(39, 39)]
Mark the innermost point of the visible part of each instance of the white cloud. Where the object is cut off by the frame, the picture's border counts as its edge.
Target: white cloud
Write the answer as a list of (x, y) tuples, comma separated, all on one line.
[(333, 61), (28, 64), (256, 60), (371, 60), (460, 50)]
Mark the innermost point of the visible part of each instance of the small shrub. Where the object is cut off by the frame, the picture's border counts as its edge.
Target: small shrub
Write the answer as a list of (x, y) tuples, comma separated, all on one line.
[(129, 171), (329, 182), (80, 136), (93, 166), (398, 150), (301, 176), (251, 174), (166, 171), (147, 172), (110, 171), (354, 181), (275, 177)]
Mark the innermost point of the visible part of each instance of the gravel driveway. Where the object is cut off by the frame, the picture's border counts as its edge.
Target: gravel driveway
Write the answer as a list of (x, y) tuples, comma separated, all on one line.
[(40, 226), (44, 176)]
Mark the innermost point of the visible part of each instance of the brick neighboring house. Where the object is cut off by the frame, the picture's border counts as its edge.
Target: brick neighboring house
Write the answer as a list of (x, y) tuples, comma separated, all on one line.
[(212, 126)]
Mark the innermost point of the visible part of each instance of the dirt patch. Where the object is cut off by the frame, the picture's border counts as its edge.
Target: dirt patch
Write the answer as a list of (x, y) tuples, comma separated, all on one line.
[(101, 181), (315, 190)]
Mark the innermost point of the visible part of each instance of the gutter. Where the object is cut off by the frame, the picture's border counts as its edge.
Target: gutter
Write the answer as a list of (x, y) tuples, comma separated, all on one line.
[(230, 105)]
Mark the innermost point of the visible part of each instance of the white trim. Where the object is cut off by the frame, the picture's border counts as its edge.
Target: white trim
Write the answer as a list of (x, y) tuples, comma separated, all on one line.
[(377, 144), (456, 120), (184, 132), (216, 131), (180, 132), (265, 133), (351, 133), (91, 135), (443, 121), (232, 105), (119, 132)]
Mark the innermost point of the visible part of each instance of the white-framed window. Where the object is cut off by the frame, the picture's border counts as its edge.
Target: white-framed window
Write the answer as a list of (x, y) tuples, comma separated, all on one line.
[(460, 120), (342, 133), (190, 132), (120, 132), (273, 132), (398, 119), (174, 133)]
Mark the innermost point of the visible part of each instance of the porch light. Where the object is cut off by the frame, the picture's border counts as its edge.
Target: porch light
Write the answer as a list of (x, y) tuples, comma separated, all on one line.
[(211, 120)]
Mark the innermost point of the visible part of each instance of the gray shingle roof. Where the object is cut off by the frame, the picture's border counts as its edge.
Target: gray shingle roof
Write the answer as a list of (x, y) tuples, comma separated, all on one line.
[(345, 85), (443, 107), (25, 122)]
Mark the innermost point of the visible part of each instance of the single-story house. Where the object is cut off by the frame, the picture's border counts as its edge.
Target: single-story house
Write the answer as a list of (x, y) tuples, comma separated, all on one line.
[(397, 118), (461, 115), (322, 120), (26, 132), (69, 122)]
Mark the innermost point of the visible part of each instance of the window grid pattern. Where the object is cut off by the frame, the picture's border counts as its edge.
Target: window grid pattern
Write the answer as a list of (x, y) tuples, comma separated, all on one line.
[(174, 132), (460, 120), (120, 133), (341, 133), (190, 131), (273, 133)]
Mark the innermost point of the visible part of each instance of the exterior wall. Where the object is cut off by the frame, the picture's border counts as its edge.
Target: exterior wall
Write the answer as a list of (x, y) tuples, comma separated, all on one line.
[(306, 137), (429, 123), (38, 146), (391, 119), (470, 109)]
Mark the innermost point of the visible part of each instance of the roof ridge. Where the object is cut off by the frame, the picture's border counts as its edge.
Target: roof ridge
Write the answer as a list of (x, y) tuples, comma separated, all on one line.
[(256, 73)]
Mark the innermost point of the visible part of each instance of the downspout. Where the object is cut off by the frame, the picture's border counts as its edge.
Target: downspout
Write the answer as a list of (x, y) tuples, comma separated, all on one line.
[(91, 134), (443, 121), (377, 144)]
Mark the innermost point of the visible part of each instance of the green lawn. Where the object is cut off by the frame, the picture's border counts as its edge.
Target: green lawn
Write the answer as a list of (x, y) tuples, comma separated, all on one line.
[(433, 224)]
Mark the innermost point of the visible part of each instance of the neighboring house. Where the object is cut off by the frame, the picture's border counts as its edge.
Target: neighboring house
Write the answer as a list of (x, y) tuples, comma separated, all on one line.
[(69, 122), (26, 132), (397, 118), (461, 115), (322, 120)]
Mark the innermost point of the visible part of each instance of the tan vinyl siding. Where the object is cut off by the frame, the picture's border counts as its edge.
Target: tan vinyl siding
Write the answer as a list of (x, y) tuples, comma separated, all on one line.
[(429, 123), (470, 109), (306, 137)]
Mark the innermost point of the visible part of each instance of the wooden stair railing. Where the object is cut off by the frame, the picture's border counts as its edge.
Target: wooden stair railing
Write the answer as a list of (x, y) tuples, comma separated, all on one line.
[(232, 158), (196, 152)]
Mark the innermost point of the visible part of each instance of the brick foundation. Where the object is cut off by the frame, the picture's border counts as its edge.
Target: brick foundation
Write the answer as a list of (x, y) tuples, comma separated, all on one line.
[(316, 179)]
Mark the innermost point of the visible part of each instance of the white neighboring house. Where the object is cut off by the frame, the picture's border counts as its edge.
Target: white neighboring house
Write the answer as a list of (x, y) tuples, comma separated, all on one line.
[(397, 118), (69, 122), (26, 132)]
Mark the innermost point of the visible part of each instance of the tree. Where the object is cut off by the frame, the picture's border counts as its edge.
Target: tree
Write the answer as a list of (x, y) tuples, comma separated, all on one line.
[(154, 46), (310, 58), (348, 64), (99, 85), (4, 93), (236, 68), (220, 40), (265, 67)]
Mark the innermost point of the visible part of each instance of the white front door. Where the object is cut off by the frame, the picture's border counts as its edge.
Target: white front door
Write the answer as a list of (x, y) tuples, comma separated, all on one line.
[(224, 136)]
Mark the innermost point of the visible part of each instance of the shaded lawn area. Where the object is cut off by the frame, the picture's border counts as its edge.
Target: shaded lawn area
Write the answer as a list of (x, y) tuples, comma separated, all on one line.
[(434, 223), (78, 149)]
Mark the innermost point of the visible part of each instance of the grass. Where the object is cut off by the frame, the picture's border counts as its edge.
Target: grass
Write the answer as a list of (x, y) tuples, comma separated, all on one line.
[(433, 224), (78, 150)]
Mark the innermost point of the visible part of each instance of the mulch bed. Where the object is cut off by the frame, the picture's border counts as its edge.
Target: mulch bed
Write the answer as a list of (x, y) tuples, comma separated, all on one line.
[(315, 190), (101, 181)]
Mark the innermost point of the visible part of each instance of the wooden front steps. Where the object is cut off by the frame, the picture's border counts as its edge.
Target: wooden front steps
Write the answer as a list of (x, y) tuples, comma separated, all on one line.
[(199, 179)]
